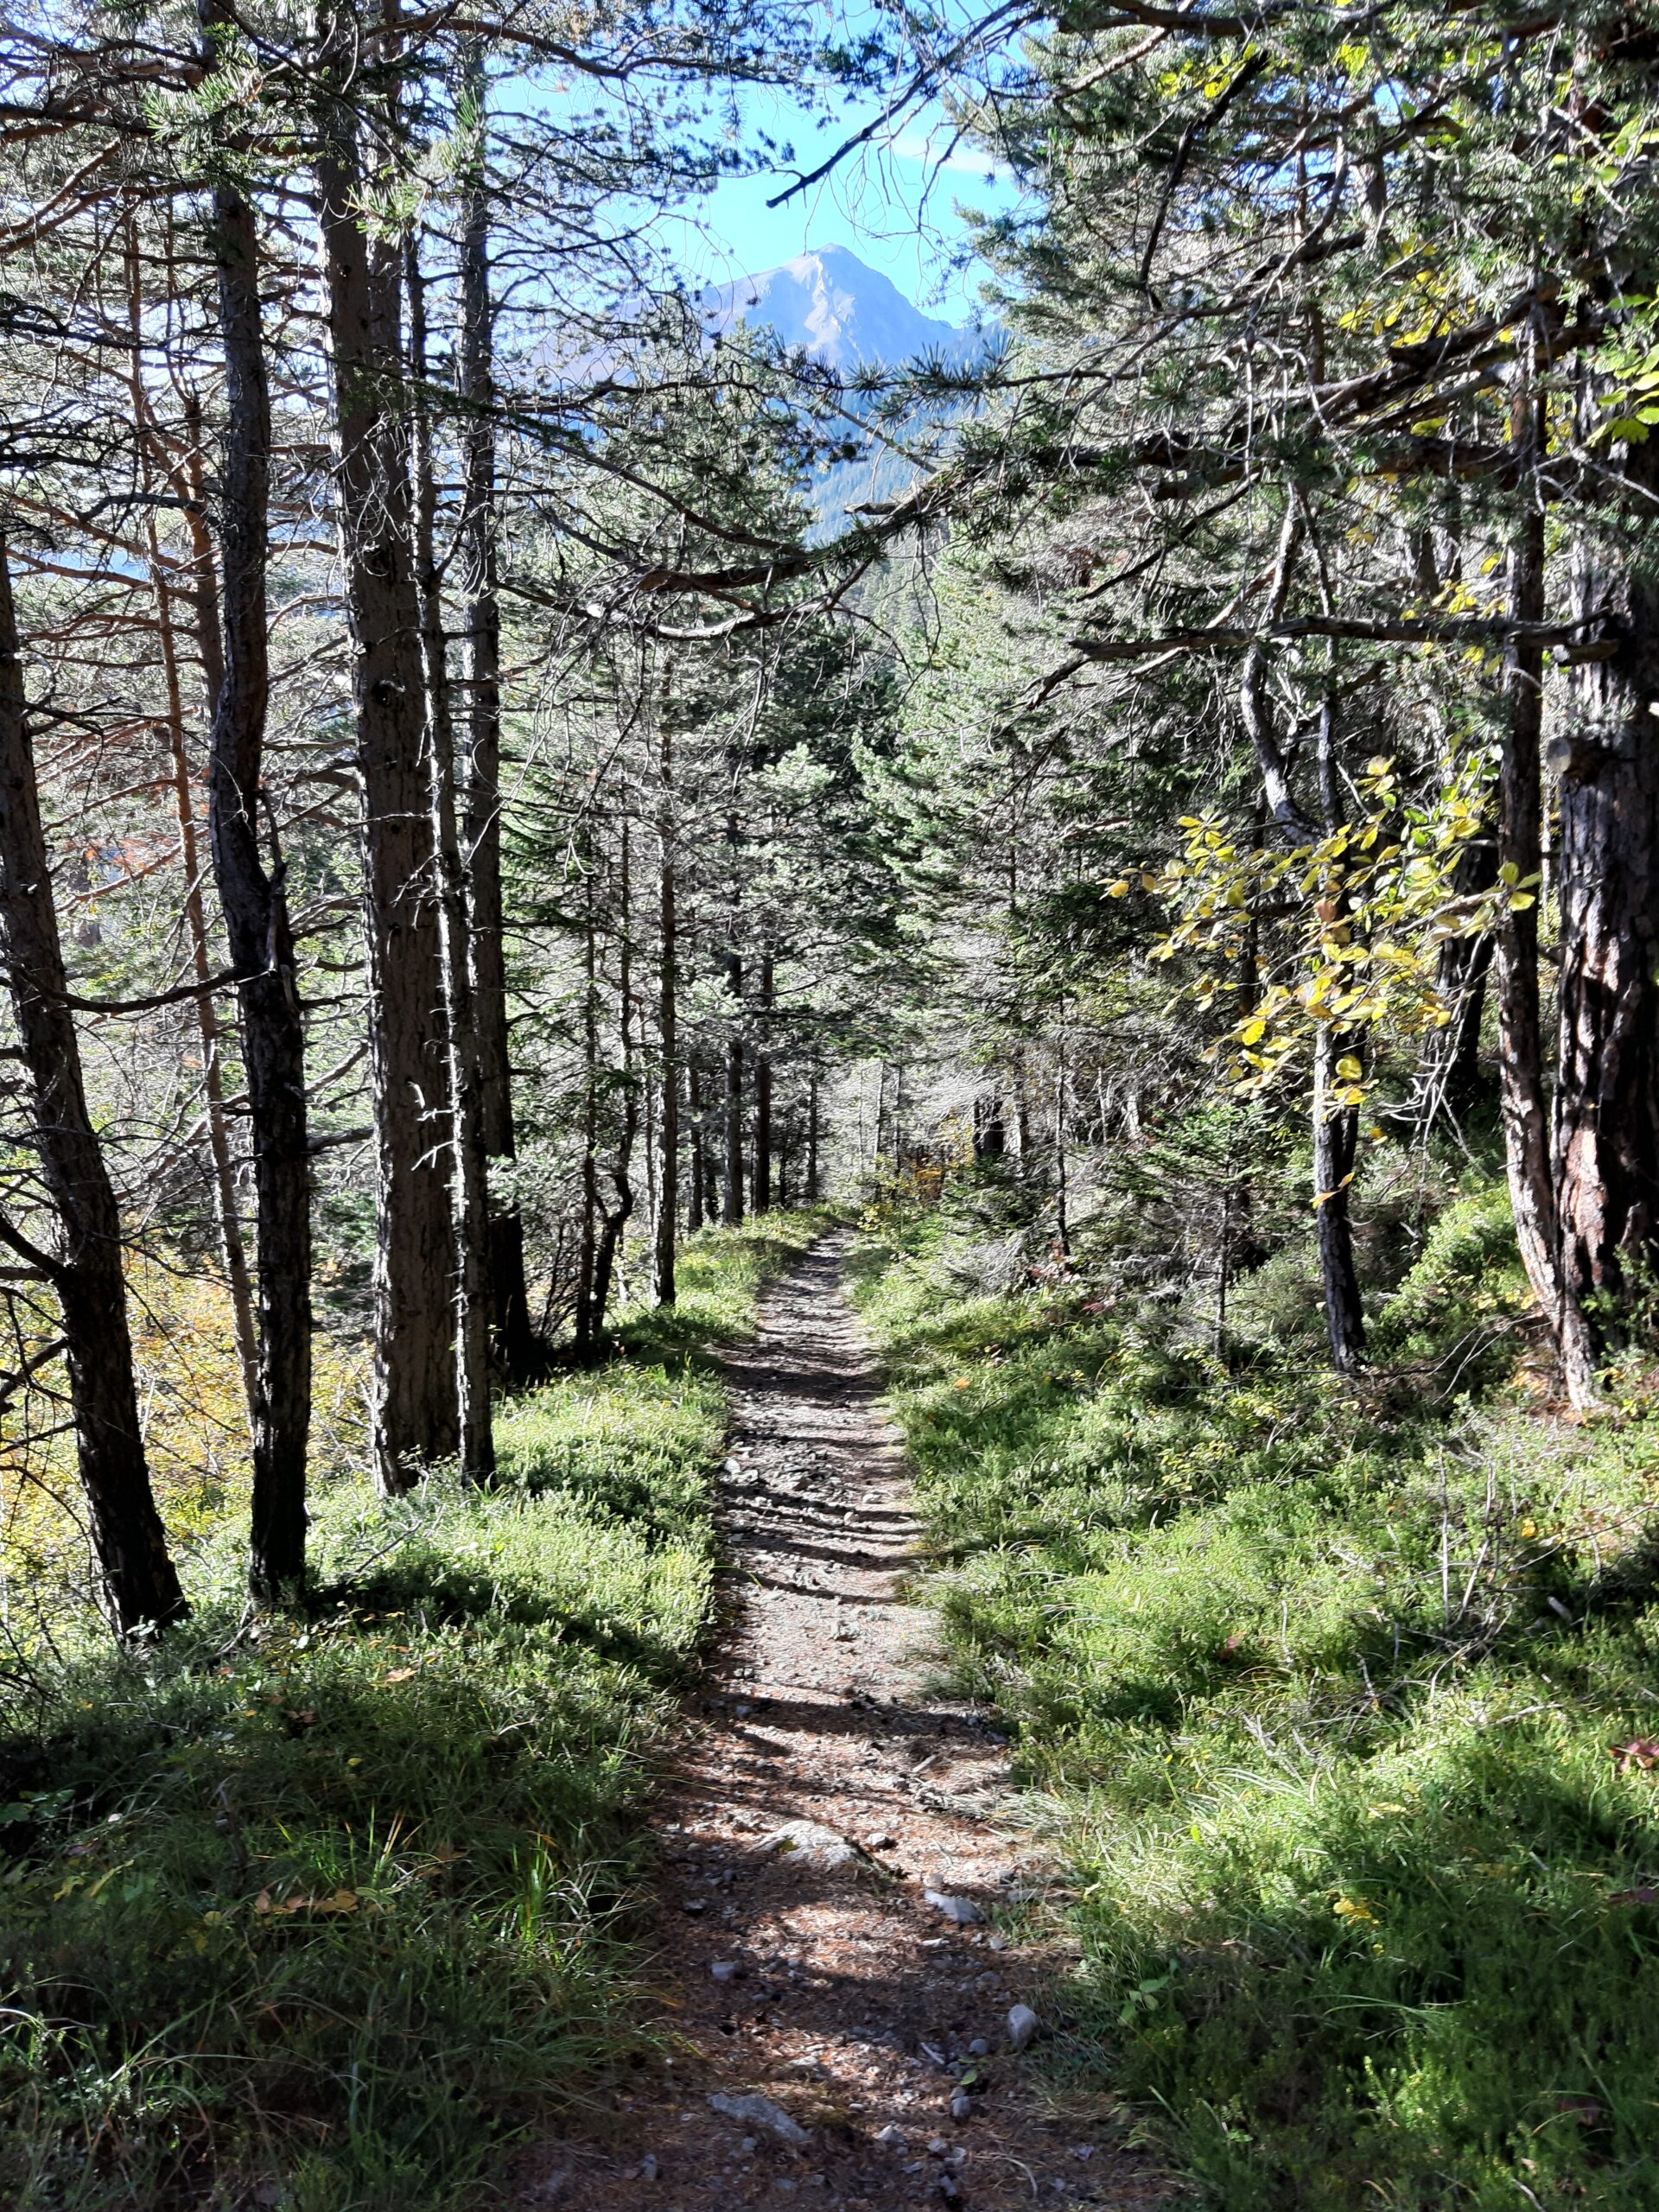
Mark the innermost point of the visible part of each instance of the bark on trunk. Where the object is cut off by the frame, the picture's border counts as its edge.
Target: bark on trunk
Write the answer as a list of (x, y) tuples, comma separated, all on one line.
[(667, 1223), (255, 908), (1336, 1133), (516, 1352), (617, 1217), (1255, 705), (1606, 1132), (1464, 970), (1520, 1053), (731, 1210), (812, 1136), (205, 594), (699, 1206), (990, 1131), (469, 1168), (238, 1281), (760, 1194), (1520, 1077), (1062, 1191), (193, 498), (141, 1590), (1335, 1136), (416, 1415), (585, 1328)]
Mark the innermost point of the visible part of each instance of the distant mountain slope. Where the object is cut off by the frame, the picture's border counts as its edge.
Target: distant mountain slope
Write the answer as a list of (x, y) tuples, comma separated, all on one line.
[(845, 315)]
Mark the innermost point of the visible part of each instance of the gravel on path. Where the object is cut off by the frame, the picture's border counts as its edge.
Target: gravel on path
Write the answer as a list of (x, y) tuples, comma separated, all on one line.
[(837, 1854)]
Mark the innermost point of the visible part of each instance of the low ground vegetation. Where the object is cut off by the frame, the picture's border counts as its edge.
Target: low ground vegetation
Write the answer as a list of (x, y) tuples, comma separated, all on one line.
[(1341, 1700), (319, 1911)]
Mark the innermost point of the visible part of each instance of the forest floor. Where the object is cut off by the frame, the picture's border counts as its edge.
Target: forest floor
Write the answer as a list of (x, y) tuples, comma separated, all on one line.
[(823, 1795)]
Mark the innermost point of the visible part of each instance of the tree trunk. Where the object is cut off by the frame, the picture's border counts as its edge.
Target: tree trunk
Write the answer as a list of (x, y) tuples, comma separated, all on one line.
[(812, 1135), (1521, 1078), (233, 1250), (667, 1223), (141, 1590), (1335, 1139), (761, 1193), (193, 499), (1062, 1193), (699, 1206), (731, 1212), (617, 1217), (414, 1411), (1255, 704), (1606, 1132), (516, 1353), (1336, 1129), (990, 1132), (255, 907), (238, 1281), (1464, 967), (585, 1328), (468, 1168)]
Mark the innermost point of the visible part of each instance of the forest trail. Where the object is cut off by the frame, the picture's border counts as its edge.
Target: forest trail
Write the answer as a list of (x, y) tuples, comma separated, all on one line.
[(818, 1976)]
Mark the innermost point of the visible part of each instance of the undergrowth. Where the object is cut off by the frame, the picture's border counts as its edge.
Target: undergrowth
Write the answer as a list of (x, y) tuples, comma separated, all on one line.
[(319, 1911), (1321, 1688)]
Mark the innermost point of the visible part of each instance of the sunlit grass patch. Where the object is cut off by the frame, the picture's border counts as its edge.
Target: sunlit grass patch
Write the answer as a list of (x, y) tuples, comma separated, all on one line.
[(328, 1907), (1324, 1689), (718, 1275), (322, 1912)]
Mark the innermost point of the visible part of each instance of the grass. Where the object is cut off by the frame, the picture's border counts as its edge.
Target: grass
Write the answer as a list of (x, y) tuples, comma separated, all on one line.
[(1318, 1688), (324, 1912)]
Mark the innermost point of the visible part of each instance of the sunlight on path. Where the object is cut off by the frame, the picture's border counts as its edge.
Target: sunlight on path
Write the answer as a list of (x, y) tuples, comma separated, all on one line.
[(833, 1866)]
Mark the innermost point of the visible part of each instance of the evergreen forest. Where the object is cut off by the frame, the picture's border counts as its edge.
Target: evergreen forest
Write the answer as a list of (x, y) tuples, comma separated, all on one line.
[(530, 810)]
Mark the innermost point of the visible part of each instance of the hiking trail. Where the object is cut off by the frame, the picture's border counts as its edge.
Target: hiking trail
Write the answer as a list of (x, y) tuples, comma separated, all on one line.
[(837, 1857)]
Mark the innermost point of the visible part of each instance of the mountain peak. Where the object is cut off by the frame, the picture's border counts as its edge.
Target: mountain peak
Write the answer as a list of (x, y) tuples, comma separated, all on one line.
[(844, 314)]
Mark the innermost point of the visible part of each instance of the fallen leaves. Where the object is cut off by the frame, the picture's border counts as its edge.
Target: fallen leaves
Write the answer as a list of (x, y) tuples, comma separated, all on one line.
[(1640, 1755), (342, 1901)]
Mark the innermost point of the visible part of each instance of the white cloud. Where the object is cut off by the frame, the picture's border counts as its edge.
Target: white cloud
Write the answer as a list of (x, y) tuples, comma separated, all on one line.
[(961, 159)]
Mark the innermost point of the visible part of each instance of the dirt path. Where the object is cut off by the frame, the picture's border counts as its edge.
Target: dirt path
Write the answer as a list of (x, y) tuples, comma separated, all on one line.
[(822, 1791)]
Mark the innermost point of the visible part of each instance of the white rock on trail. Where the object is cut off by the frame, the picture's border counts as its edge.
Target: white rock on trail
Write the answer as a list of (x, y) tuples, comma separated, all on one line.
[(963, 1911), (818, 1845), (760, 2111), (1023, 2024)]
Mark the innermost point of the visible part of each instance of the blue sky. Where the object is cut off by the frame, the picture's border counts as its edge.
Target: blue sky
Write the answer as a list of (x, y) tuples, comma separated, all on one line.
[(895, 203)]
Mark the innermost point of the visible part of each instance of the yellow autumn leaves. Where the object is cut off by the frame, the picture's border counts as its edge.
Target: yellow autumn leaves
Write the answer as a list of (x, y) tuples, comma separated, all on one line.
[(341, 1901), (1342, 934)]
